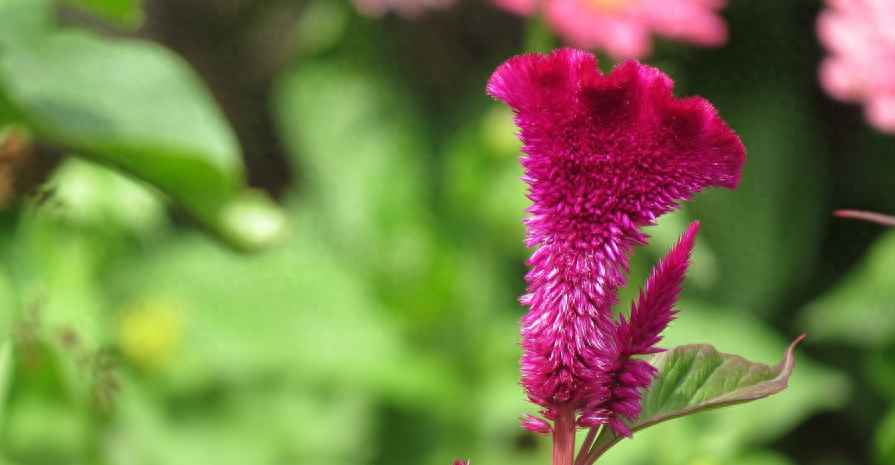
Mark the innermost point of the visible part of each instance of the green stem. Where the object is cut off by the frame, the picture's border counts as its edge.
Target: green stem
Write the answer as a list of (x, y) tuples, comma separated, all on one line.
[(585, 446)]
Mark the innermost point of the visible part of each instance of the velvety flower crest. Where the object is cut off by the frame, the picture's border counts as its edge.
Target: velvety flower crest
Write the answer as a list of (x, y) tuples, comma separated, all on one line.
[(604, 156)]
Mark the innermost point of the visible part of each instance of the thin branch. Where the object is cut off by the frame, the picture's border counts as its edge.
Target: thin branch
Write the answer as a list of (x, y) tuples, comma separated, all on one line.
[(585, 447), (872, 217)]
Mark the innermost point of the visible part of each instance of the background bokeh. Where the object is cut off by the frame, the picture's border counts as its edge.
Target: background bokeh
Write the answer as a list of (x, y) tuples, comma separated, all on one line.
[(382, 328)]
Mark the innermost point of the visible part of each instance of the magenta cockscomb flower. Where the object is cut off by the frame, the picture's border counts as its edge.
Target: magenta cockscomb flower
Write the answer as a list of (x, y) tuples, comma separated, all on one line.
[(622, 28), (860, 37), (406, 8), (605, 155)]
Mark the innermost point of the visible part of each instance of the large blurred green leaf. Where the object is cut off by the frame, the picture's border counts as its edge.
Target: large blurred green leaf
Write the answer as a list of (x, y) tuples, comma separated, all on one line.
[(861, 309), (298, 311), (123, 12), (294, 342), (133, 105)]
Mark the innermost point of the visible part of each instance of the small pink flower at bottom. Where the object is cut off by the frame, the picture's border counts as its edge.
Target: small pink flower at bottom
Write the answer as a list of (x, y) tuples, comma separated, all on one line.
[(461, 462), (860, 38), (605, 155), (622, 28), (406, 8)]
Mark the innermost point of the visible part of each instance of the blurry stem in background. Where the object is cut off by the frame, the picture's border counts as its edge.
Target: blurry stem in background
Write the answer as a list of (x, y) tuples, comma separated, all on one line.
[(877, 218), (538, 36), (5, 374), (564, 437)]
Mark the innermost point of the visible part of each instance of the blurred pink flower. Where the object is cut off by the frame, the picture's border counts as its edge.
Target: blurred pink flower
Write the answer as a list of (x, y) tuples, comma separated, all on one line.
[(406, 8), (622, 28), (860, 36)]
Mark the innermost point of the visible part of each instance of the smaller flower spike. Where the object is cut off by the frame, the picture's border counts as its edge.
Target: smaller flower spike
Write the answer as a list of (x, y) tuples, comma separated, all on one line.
[(649, 317), (606, 154), (654, 308)]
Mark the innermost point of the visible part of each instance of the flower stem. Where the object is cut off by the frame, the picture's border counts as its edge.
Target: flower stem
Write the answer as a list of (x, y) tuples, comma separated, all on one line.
[(585, 447), (564, 437), (877, 218)]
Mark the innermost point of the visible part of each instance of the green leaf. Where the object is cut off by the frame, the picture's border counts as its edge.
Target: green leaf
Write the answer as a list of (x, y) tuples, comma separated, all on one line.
[(859, 310), (722, 435), (695, 378), (135, 106), (123, 12)]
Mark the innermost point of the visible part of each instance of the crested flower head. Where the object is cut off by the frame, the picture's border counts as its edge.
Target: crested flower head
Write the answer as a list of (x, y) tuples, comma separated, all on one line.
[(861, 63), (605, 155), (622, 28)]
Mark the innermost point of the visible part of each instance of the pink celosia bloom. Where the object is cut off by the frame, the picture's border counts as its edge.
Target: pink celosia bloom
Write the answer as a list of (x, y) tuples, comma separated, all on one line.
[(606, 154), (622, 28), (406, 8), (860, 36)]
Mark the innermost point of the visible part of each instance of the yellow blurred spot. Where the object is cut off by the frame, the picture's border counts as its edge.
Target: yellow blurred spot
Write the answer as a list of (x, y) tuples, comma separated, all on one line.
[(150, 332)]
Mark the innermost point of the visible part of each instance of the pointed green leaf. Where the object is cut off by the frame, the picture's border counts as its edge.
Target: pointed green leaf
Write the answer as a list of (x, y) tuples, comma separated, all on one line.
[(694, 378), (137, 107)]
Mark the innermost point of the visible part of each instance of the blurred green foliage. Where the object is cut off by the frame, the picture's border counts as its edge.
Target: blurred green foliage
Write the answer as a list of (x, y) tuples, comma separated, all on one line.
[(382, 328), (131, 104)]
